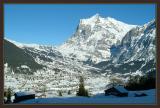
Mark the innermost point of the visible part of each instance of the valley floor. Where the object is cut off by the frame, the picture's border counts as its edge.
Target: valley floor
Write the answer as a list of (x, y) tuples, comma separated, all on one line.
[(99, 99)]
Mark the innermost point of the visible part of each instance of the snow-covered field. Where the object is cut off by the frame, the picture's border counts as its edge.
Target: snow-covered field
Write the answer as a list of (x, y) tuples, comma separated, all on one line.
[(98, 99)]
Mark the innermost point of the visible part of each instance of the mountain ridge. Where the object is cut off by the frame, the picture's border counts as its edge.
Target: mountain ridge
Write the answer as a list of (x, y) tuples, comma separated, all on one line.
[(95, 52)]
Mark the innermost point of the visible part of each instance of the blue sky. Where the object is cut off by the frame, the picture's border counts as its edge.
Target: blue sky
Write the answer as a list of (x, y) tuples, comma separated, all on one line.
[(55, 23)]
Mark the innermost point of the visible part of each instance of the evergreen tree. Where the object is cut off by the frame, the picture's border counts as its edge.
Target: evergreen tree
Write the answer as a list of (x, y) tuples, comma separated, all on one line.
[(69, 92), (141, 83), (9, 94), (82, 91), (60, 93)]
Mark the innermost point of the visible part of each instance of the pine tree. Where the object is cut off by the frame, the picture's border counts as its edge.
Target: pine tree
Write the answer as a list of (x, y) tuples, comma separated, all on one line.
[(60, 93), (82, 91), (9, 94), (141, 83), (69, 92)]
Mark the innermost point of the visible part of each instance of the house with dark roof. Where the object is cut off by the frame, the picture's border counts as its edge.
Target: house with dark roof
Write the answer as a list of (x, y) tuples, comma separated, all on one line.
[(116, 90), (20, 96)]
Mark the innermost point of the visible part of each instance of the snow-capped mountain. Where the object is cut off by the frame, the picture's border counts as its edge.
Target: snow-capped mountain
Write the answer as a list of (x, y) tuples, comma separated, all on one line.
[(99, 49), (94, 37), (136, 52)]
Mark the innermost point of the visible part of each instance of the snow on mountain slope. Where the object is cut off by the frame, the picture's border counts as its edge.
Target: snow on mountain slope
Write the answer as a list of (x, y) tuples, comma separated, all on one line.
[(94, 37), (21, 45), (136, 52), (139, 43), (33, 45)]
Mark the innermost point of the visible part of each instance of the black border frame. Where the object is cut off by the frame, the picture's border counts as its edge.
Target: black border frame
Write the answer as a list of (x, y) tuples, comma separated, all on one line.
[(157, 2)]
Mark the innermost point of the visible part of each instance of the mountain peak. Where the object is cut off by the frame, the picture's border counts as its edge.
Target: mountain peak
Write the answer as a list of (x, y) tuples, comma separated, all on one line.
[(96, 16), (91, 19), (98, 19)]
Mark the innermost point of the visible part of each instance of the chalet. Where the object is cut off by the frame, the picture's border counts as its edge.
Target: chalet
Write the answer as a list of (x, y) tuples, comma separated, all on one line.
[(116, 90), (20, 96)]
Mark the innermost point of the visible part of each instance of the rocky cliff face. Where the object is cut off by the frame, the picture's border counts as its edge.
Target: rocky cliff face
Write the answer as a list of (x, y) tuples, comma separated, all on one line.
[(137, 44), (94, 37), (136, 52)]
